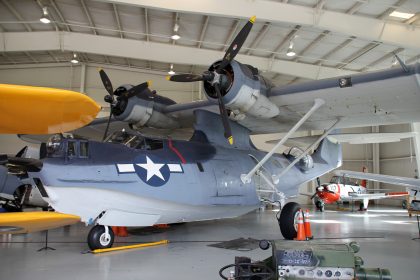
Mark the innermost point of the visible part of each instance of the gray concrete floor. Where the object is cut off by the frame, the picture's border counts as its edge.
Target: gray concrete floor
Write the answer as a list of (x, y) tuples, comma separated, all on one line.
[(385, 236)]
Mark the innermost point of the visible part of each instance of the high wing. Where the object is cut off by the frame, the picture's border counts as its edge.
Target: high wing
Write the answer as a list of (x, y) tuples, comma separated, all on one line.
[(378, 98), (356, 196), (396, 180), (350, 138), (24, 222)]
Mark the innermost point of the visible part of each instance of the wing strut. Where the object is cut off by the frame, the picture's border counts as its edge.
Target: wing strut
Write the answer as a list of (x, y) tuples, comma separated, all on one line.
[(276, 177), (246, 178)]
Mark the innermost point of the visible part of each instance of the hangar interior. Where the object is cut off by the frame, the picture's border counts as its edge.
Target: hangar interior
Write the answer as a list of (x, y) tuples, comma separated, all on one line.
[(132, 41)]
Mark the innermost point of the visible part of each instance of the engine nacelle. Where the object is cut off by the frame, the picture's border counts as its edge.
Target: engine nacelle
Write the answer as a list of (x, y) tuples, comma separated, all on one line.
[(244, 92), (144, 110)]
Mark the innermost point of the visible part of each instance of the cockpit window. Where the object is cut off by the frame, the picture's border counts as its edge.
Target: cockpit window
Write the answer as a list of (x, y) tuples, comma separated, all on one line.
[(135, 141), (71, 148)]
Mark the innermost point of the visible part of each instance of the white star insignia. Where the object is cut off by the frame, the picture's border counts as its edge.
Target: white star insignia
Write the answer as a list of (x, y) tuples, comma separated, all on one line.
[(152, 169)]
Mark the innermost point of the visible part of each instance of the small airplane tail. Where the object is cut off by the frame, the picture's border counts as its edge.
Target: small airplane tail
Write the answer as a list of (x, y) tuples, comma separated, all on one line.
[(363, 183)]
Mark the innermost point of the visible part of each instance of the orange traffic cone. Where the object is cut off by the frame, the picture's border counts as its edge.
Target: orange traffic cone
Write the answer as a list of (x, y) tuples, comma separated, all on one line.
[(115, 230), (301, 228), (122, 232), (307, 224)]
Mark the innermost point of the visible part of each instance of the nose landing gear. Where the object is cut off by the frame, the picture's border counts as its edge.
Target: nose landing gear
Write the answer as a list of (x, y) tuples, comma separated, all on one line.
[(100, 237)]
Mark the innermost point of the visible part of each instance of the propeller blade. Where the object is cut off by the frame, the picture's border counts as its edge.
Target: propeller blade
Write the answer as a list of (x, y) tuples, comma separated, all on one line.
[(185, 78), (237, 43), (312, 197), (136, 89), (107, 82), (223, 115)]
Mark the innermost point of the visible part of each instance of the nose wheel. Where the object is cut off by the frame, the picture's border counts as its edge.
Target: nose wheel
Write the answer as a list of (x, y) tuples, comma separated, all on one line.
[(100, 237)]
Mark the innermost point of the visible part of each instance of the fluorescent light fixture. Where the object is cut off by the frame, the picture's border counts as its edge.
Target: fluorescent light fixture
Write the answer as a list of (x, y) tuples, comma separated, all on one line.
[(45, 16), (176, 36), (401, 15), (74, 59), (171, 71), (290, 51)]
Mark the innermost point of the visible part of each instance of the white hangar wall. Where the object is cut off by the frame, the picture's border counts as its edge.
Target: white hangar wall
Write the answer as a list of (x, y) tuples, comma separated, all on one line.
[(395, 158)]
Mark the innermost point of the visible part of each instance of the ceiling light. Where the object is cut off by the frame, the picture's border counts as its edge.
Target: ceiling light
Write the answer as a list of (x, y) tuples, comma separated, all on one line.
[(401, 15), (176, 36), (290, 51), (171, 71), (74, 59), (45, 16)]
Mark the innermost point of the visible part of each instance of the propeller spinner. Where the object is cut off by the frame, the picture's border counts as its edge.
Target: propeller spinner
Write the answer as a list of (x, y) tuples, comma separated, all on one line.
[(214, 77)]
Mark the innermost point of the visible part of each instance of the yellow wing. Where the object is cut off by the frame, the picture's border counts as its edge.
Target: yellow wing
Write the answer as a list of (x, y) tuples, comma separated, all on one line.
[(39, 110), (24, 222)]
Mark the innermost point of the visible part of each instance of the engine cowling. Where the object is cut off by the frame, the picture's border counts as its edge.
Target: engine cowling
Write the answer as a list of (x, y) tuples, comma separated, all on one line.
[(144, 110), (244, 92)]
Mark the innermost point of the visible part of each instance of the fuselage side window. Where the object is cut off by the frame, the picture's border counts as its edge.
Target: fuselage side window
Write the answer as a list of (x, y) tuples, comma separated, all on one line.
[(84, 149)]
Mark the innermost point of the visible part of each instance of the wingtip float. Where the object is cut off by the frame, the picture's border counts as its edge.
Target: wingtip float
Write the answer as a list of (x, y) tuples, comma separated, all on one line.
[(44, 110)]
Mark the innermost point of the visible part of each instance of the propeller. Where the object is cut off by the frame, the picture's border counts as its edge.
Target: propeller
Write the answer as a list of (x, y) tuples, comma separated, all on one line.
[(214, 77), (124, 96)]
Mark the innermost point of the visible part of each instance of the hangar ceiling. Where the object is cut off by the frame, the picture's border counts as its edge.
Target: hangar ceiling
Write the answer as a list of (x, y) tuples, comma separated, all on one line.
[(330, 37)]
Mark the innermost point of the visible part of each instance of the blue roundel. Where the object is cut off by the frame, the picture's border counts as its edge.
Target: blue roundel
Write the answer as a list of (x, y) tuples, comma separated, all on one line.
[(152, 170)]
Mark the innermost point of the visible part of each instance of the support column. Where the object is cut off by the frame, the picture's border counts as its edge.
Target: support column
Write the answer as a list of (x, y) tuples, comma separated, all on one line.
[(83, 78), (415, 127), (376, 158)]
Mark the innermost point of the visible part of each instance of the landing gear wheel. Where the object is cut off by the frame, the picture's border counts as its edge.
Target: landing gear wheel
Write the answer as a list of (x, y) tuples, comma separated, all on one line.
[(320, 206), (288, 220), (99, 239)]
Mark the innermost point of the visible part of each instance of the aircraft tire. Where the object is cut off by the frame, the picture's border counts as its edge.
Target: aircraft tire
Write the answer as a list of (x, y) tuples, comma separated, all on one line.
[(288, 220), (97, 238)]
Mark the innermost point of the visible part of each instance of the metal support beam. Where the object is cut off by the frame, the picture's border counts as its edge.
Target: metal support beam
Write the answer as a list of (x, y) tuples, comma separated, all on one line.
[(260, 36), (60, 14), (364, 27), (88, 16), (336, 49), (146, 24), (231, 34), (16, 14), (246, 178), (203, 31), (311, 147), (376, 158), (117, 18), (83, 78), (286, 40), (383, 58), (353, 9), (135, 49), (415, 127), (357, 54), (312, 44)]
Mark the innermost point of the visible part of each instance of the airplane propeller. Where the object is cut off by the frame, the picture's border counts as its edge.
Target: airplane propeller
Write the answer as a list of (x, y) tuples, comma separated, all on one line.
[(215, 77), (109, 98)]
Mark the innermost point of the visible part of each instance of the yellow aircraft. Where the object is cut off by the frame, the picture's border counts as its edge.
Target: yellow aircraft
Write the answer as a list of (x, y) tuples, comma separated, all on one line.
[(41, 110)]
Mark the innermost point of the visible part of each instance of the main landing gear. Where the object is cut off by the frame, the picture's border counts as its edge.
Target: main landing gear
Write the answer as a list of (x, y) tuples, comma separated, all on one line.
[(288, 220), (100, 237)]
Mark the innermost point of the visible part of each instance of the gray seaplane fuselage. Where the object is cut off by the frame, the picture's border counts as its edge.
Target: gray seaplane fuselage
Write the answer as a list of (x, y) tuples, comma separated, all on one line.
[(163, 181)]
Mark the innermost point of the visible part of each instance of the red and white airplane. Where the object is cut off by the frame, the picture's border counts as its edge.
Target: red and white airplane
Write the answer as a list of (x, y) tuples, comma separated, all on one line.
[(341, 188)]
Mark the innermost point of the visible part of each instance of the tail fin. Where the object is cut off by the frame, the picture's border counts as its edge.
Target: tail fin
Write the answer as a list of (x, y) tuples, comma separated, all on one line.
[(363, 183)]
